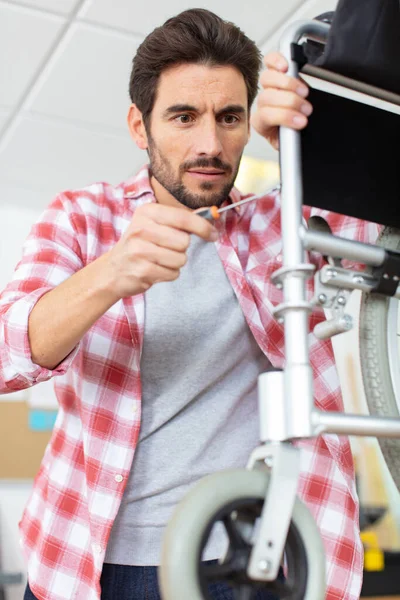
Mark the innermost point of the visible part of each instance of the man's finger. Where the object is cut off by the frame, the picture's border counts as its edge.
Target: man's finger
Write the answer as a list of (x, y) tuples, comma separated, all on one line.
[(166, 237), (276, 60), (284, 99), (182, 219), (265, 118), (280, 81)]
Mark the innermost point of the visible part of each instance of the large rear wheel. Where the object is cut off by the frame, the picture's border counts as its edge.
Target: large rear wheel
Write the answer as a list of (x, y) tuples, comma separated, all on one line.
[(379, 357)]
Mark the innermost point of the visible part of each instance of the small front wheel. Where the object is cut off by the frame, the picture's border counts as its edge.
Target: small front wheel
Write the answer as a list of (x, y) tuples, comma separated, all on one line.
[(235, 498)]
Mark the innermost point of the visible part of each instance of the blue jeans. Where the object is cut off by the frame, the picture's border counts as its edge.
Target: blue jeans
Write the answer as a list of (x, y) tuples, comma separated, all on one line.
[(140, 583)]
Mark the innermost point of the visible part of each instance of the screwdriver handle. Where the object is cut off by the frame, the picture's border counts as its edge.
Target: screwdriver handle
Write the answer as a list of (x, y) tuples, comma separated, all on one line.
[(210, 213)]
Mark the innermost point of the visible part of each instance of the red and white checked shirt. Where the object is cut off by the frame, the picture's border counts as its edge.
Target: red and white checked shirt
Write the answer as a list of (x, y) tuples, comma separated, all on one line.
[(78, 489)]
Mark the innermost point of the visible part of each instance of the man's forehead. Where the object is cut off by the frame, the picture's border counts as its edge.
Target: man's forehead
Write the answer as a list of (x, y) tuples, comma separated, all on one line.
[(194, 84)]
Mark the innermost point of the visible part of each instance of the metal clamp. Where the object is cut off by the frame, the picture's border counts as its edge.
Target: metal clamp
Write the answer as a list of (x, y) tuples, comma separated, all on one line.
[(280, 310), (387, 274), (305, 270), (330, 296)]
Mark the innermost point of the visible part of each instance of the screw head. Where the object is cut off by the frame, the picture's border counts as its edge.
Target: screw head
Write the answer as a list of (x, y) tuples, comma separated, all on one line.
[(341, 300), (264, 565), (322, 298)]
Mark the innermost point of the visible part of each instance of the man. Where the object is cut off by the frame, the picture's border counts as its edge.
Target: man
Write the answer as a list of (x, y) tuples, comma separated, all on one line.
[(156, 384)]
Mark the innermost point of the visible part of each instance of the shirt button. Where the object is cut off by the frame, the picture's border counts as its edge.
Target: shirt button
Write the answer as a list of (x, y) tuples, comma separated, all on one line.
[(134, 408), (279, 258), (97, 548), (118, 478)]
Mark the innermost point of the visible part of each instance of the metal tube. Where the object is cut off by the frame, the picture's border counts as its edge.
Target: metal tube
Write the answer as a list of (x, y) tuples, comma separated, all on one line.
[(338, 247), (271, 407), (298, 381), (362, 425)]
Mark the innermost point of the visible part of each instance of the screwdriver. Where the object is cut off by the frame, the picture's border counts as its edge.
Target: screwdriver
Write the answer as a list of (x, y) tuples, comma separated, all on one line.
[(212, 213)]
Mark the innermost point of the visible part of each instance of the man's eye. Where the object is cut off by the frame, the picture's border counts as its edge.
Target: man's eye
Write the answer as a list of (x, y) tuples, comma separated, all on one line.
[(229, 119), (183, 119)]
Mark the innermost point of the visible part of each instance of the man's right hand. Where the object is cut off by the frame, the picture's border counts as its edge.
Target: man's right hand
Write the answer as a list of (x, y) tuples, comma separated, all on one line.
[(153, 248)]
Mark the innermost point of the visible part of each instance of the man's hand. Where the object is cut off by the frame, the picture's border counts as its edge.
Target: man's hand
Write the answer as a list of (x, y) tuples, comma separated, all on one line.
[(153, 248), (282, 100)]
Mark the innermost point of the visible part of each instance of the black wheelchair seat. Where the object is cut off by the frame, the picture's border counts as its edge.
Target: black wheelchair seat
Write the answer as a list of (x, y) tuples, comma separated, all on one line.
[(350, 159)]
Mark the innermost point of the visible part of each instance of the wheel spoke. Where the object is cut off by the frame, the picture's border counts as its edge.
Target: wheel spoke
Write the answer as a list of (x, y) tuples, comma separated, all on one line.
[(217, 571), (244, 592), (282, 589), (233, 532)]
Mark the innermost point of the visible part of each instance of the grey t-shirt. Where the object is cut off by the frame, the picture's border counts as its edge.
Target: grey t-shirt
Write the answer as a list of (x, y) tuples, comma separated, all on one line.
[(199, 370)]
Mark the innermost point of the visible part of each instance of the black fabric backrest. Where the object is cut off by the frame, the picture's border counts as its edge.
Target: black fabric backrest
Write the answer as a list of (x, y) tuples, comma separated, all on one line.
[(364, 42), (350, 156), (351, 159)]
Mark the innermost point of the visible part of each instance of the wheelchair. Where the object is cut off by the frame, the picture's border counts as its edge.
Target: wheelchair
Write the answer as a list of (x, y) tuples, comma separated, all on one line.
[(244, 501)]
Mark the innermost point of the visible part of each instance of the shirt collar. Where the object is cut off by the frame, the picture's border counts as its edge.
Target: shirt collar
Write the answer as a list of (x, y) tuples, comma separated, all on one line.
[(138, 185)]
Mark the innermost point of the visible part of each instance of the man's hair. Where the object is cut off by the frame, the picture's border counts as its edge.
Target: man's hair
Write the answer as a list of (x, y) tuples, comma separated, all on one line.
[(194, 36)]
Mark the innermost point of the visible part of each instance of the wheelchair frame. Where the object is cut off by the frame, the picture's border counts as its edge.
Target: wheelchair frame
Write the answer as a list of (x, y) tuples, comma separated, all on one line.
[(286, 415)]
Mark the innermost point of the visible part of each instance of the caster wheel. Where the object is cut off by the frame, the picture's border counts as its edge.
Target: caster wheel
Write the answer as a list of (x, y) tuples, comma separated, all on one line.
[(235, 498)]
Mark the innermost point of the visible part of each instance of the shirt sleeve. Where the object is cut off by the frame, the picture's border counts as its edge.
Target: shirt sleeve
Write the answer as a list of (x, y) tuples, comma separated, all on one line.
[(50, 255)]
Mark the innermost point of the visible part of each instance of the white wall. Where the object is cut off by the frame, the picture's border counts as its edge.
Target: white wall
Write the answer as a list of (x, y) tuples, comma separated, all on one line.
[(15, 224)]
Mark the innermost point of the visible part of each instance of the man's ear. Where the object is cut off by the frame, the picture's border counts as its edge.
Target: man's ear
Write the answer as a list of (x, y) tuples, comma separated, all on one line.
[(136, 127)]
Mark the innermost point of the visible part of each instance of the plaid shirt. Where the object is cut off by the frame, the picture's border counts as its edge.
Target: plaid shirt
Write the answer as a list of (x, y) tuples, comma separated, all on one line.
[(78, 489)]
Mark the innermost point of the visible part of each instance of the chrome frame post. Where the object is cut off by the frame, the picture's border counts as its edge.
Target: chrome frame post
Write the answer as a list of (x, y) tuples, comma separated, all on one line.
[(298, 377)]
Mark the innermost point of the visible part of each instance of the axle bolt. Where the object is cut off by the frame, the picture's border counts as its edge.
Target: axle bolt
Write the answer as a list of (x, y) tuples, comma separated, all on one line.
[(264, 565)]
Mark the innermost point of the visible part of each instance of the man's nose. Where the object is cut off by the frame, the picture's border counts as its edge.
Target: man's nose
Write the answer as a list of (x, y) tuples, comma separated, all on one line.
[(208, 140)]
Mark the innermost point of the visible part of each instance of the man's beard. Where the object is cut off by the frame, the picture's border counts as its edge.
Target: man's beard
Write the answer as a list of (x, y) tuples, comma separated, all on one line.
[(162, 171)]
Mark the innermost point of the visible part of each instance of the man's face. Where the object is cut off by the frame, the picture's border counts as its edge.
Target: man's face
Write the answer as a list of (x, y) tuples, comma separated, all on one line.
[(198, 129)]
